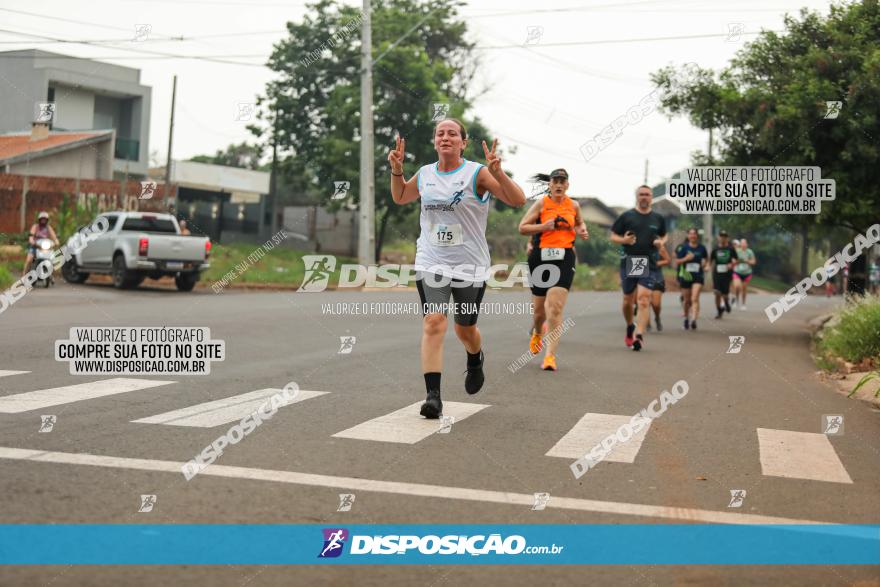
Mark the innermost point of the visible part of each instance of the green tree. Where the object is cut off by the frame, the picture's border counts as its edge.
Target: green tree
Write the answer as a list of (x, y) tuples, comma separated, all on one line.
[(768, 107), (313, 108), (243, 155)]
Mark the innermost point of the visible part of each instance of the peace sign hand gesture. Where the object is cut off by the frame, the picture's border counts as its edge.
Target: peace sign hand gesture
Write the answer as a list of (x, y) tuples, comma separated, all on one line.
[(395, 156), (493, 161)]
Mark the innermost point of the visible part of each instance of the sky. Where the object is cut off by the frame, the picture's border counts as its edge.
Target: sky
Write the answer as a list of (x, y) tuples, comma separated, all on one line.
[(552, 74)]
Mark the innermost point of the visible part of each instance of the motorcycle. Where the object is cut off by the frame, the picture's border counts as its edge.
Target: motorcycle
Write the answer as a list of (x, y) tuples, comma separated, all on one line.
[(45, 253)]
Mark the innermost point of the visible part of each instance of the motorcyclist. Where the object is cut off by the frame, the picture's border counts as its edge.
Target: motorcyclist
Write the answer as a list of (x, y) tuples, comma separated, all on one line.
[(39, 230)]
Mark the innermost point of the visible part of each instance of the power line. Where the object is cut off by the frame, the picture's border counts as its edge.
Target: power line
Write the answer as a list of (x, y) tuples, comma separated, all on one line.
[(632, 40), (131, 49)]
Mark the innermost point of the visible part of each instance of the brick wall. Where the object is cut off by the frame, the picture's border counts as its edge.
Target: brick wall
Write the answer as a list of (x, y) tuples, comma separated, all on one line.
[(46, 193)]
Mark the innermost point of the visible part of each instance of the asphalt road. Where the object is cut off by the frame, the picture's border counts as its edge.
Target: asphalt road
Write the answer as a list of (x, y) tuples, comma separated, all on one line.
[(483, 471)]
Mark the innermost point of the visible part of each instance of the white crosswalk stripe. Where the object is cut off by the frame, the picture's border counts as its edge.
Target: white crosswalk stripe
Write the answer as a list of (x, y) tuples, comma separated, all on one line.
[(8, 373), (799, 455), (406, 426), (56, 396), (591, 430), (224, 411)]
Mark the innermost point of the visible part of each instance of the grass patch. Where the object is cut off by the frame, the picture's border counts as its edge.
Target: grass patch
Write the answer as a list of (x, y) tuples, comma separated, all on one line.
[(11, 260), (596, 278), (853, 334), (8, 275), (277, 266), (770, 284)]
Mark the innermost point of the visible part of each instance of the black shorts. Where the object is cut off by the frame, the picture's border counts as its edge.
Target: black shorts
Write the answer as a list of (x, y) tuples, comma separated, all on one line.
[(660, 282), (466, 295), (684, 284), (566, 267), (721, 283)]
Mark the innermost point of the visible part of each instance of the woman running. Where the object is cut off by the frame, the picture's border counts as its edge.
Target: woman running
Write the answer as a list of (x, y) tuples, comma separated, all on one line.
[(742, 272), (691, 259), (452, 256), (663, 260), (555, 219)]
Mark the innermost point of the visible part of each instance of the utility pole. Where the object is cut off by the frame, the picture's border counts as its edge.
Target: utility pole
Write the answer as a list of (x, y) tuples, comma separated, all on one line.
[(273, 177), (367, 227), (708, 228), (170, 137), (645, 181)]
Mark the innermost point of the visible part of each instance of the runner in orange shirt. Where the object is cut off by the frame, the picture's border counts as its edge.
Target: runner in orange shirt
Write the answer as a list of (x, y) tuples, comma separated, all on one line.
[(556, 219)]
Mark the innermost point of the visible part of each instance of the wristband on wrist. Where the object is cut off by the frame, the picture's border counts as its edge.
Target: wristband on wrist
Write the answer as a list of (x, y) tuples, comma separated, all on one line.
[(397, 174)]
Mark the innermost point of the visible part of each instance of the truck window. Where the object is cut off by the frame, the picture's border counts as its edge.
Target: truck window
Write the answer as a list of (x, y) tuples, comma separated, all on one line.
[(149, 224)]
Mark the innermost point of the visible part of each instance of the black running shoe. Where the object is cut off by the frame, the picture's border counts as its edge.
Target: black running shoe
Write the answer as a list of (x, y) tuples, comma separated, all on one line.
[(628, 339), (727, 306), (687, 324), (659, 324), (433, 407), (473, 381), (638, 342), (694, 325), (720, 313)]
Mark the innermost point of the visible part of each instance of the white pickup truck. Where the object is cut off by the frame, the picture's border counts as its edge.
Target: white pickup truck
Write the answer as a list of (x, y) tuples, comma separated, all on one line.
[(139, 245)]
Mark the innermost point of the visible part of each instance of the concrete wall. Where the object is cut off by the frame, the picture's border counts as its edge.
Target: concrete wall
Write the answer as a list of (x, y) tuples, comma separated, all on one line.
[(316, 229), (74, 109), (93, 161)]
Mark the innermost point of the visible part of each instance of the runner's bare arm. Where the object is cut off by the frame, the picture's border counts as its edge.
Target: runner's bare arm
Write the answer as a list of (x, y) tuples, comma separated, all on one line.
[(527, 224), (492, 179), (580, 227), (402, 191), (664, 256)]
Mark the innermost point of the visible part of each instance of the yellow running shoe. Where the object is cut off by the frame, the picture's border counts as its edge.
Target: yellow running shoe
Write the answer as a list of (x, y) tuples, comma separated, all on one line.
[(549, 363), (535, 343)]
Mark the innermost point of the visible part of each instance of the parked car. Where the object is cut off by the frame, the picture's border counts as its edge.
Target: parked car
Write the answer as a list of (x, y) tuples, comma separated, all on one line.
[(138, 245)]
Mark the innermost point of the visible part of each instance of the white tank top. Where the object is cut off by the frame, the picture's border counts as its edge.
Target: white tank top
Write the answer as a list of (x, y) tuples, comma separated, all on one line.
[(453, 222)]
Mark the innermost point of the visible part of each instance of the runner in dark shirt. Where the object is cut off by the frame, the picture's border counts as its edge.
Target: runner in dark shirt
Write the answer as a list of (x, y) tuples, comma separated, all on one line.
[(722, 259), (638, 231)]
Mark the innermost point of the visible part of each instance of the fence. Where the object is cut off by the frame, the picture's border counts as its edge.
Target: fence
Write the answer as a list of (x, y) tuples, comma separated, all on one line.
[(47, 193)]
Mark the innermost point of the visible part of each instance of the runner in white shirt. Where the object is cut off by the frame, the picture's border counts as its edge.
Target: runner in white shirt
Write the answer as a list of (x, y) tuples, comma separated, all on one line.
[(452, 256)]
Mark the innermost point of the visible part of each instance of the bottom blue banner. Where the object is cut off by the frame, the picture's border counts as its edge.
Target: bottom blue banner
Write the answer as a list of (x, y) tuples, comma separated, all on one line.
[(249, 544)]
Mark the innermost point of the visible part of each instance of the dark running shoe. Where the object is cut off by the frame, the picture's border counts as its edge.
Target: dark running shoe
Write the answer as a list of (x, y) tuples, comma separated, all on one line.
[(638, 342), (687, 323), (659, 324), (473, 381), (694, 325), (433, 407), (628, 339)]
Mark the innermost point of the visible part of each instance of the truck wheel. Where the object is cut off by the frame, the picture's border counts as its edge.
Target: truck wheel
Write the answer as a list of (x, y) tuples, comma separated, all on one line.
[(71, 273), (122, 277), (186, 281)]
